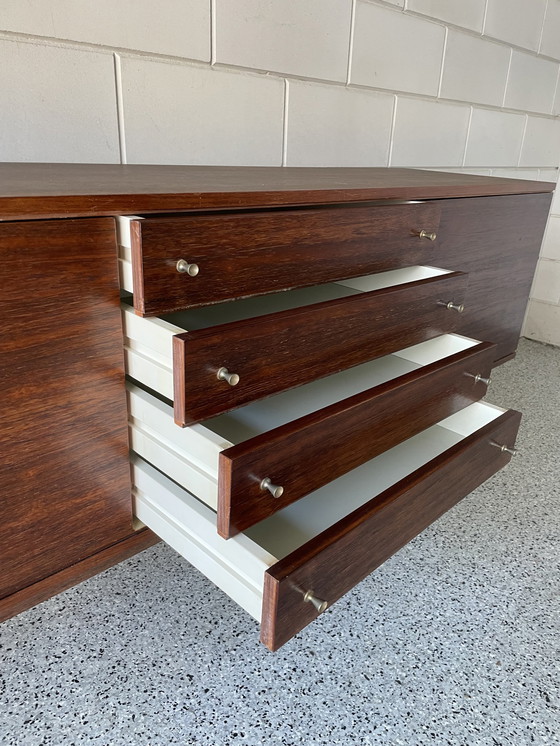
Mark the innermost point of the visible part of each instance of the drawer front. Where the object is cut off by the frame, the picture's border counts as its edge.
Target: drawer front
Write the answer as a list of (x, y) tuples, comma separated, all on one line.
[(337, 559), (245, 254), (278, 351), (307, 453)]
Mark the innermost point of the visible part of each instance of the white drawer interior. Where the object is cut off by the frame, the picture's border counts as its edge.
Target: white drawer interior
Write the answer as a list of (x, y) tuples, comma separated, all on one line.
[(124, 241), (148, 341), (237, 565), (190, 455)]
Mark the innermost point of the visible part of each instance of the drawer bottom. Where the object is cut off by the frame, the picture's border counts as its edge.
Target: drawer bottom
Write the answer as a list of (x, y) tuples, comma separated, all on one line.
[(291, 566)]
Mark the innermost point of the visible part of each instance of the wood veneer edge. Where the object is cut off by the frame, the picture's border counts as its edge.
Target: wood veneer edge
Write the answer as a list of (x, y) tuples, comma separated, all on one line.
[(42, 207)]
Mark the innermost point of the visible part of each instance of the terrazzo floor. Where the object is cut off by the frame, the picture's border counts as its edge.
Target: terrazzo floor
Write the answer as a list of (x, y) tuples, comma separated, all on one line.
[(453, 641)]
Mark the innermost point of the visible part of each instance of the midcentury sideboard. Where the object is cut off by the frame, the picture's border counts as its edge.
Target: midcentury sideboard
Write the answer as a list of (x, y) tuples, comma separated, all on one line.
[(307, 356)]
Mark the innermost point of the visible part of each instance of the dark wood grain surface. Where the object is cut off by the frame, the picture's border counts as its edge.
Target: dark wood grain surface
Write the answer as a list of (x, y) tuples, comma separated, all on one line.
[(497, 242), (310, 452), (86, 568), (252, 253), (337, 559), (39, 190), (64, 472), (276, 352), (64, 479)]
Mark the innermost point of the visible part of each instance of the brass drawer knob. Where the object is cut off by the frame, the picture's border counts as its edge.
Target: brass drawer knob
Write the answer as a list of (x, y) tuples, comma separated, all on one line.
[(504, 449), (187, 268), (427, 234), (275, 489), (459, 307), (224, 375), (478, 377), (318, 603)]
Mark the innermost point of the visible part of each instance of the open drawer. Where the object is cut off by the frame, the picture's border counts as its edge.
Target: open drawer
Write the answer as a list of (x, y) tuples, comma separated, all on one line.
[(253, 462), (181, 261), (211, 360), (292, 566)]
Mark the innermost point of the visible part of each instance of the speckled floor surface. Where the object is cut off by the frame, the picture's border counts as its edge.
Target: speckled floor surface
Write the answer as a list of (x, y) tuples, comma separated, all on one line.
[(455, 640)]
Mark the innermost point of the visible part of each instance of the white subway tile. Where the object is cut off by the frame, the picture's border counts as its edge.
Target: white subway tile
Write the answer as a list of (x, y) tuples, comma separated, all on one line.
[(550, 42), (335, 126), (531, 83), (310, 38), (429, 134), (173, 27), (531, 174), (466, 13), (516, 21), (183, 114), (548, 174), (556, 104), (474, 69), (542, 322), (546, 284), (396, 51), (494, 138), (541, 145), (58, 105), (551, 244)]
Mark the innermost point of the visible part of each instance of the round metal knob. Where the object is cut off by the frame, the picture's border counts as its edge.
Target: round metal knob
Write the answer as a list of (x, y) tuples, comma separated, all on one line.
[(224, 375), (478, 377), (459, 307), (318, 603), (187, 268), (428, 235), (485, 381), (275, 489), (504, 449)]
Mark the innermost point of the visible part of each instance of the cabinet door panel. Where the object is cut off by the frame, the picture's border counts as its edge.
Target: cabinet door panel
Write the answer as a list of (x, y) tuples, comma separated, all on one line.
[(497, 241), (64, 474)]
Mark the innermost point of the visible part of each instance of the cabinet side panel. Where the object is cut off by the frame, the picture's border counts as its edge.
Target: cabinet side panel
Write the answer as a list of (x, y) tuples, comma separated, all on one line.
[(64, 474), (497, 241)]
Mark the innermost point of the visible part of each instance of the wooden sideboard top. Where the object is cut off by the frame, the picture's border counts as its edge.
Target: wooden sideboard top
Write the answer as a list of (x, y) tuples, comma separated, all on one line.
[(41, 190)]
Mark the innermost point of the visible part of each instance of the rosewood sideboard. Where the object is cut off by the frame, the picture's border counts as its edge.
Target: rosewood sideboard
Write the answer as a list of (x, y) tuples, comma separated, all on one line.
[(281, 372)]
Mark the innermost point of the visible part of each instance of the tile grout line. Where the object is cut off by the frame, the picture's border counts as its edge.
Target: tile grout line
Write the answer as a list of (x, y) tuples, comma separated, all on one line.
[(539, 45), (27, 38), (120, 107), (507, 78), (443, 54), (351, 42), (285, 122), (463, 164), (260, 72), (523, 140), (485, 15), (392, 134), (213, 34), (556, 91)]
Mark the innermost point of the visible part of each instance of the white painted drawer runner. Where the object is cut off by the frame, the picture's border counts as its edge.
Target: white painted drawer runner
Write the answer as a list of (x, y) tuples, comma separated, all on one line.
[(148, 340), (238, 565), (190, 455)]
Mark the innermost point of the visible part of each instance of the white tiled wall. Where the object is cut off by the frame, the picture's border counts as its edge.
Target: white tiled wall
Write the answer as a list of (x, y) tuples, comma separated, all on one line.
[(467, 85), (339, 120)]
